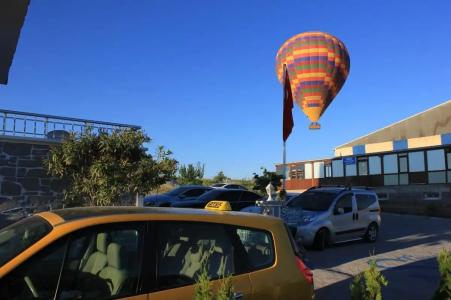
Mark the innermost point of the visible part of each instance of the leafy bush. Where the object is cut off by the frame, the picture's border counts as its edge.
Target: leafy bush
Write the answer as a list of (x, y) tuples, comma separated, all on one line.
[(225, 291), (368, 284), (204, 291), (444, 266), (100, 168)]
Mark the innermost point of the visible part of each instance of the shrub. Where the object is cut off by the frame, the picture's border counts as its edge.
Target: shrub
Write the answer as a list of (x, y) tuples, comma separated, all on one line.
[(368, 284), (203, 289), (444, 266), (225, 291)]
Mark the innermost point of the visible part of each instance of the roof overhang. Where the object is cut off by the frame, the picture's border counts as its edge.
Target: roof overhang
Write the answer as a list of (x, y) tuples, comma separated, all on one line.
[(12, 16), (431, 122)]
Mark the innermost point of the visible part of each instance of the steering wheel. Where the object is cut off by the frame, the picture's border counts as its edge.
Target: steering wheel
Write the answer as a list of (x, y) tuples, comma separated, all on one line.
[(31, 287)]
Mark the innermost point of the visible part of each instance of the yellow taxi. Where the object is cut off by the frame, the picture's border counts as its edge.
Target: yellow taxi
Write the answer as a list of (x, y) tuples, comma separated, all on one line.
[(149, 253)]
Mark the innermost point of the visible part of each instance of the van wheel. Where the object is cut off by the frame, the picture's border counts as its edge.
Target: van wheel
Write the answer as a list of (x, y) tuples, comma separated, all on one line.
[(372, 233), (321, 239)]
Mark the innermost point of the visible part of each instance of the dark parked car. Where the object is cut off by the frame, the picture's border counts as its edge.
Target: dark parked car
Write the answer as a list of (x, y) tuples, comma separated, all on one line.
[(228, 186), (182, 193), (237, 198)]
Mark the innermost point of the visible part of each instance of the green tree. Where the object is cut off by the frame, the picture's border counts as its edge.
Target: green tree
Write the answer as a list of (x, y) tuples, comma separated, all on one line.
[(191, 174), (368, 284), (220, 177), (444, 266), (100, 168), (261, 181)]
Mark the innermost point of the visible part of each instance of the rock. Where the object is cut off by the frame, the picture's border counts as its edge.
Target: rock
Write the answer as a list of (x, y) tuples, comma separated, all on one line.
[(29, 184), (30, 163), (10, 188), (21, 172), (41, 152), (8, 171), (17, 149), (36, 172)]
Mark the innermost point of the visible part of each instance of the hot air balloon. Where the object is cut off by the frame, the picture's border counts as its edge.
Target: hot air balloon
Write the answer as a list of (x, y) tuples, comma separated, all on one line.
[(318, 65)]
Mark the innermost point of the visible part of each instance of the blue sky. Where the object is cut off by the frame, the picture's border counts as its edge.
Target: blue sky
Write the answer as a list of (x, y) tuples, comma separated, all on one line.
[(199, 76)]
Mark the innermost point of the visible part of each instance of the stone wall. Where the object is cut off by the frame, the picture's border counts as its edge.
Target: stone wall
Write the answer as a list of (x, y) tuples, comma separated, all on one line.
[(24, 181)]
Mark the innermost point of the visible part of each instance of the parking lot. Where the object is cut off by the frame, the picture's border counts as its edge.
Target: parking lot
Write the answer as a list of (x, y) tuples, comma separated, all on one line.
[(406, 253)]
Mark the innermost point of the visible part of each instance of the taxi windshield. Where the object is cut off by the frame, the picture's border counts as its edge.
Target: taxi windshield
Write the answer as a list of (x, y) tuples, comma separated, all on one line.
[(19, 236)]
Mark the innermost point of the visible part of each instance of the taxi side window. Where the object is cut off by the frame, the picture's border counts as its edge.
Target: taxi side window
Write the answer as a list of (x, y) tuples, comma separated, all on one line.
[(102, 262), (37, 277), (344, 202), (258, 245), (185, 247)]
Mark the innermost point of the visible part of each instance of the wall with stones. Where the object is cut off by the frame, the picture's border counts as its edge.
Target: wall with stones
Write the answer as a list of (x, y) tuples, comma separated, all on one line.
[(24, 181)]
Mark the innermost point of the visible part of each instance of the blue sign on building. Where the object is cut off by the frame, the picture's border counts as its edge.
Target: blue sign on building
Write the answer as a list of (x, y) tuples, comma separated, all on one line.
[(349, 161)]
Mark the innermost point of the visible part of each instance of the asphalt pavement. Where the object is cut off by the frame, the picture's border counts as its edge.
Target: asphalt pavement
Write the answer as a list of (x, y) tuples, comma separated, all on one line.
[(405, 252)]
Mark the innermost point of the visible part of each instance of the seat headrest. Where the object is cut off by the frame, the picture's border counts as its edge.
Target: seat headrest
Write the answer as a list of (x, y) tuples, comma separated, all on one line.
[(113, 255), (102, 242)]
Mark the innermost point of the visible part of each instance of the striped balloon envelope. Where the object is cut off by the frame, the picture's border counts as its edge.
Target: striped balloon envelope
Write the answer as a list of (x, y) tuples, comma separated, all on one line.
[(318, 65)]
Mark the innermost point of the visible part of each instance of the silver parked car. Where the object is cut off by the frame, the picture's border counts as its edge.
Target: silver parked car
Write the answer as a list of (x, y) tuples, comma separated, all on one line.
[(331, 215)]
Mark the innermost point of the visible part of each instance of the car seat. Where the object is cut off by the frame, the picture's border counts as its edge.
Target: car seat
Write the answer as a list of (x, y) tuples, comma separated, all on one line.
[(194, 258), (220, 260), (98, 259), (113, 272)]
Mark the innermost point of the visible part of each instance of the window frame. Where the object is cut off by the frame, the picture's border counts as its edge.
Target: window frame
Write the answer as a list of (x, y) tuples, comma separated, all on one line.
[(155, 238), (111, 227)]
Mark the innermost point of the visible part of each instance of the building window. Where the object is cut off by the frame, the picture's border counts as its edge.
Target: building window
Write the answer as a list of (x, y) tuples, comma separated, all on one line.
[(318, 169), (308, 171), (390, 164), (328, 170), (375, 165), (363, 166), (337, 168), (404, 179), (448, 158), (437, 177), (383, 196), (391, 179), (416, 161), (297, 172), (403, 163), (351, 170), (432, 196), (436, 160)]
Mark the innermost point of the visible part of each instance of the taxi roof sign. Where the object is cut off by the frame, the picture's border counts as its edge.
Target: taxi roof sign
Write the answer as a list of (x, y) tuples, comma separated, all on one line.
[(218, 205)]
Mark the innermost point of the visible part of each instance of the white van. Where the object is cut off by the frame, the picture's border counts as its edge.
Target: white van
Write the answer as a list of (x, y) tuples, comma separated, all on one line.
[(332, 214)]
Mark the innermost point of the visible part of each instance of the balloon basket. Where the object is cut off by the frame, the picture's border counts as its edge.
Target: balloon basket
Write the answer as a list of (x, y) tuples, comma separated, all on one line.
[(314, 126)]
